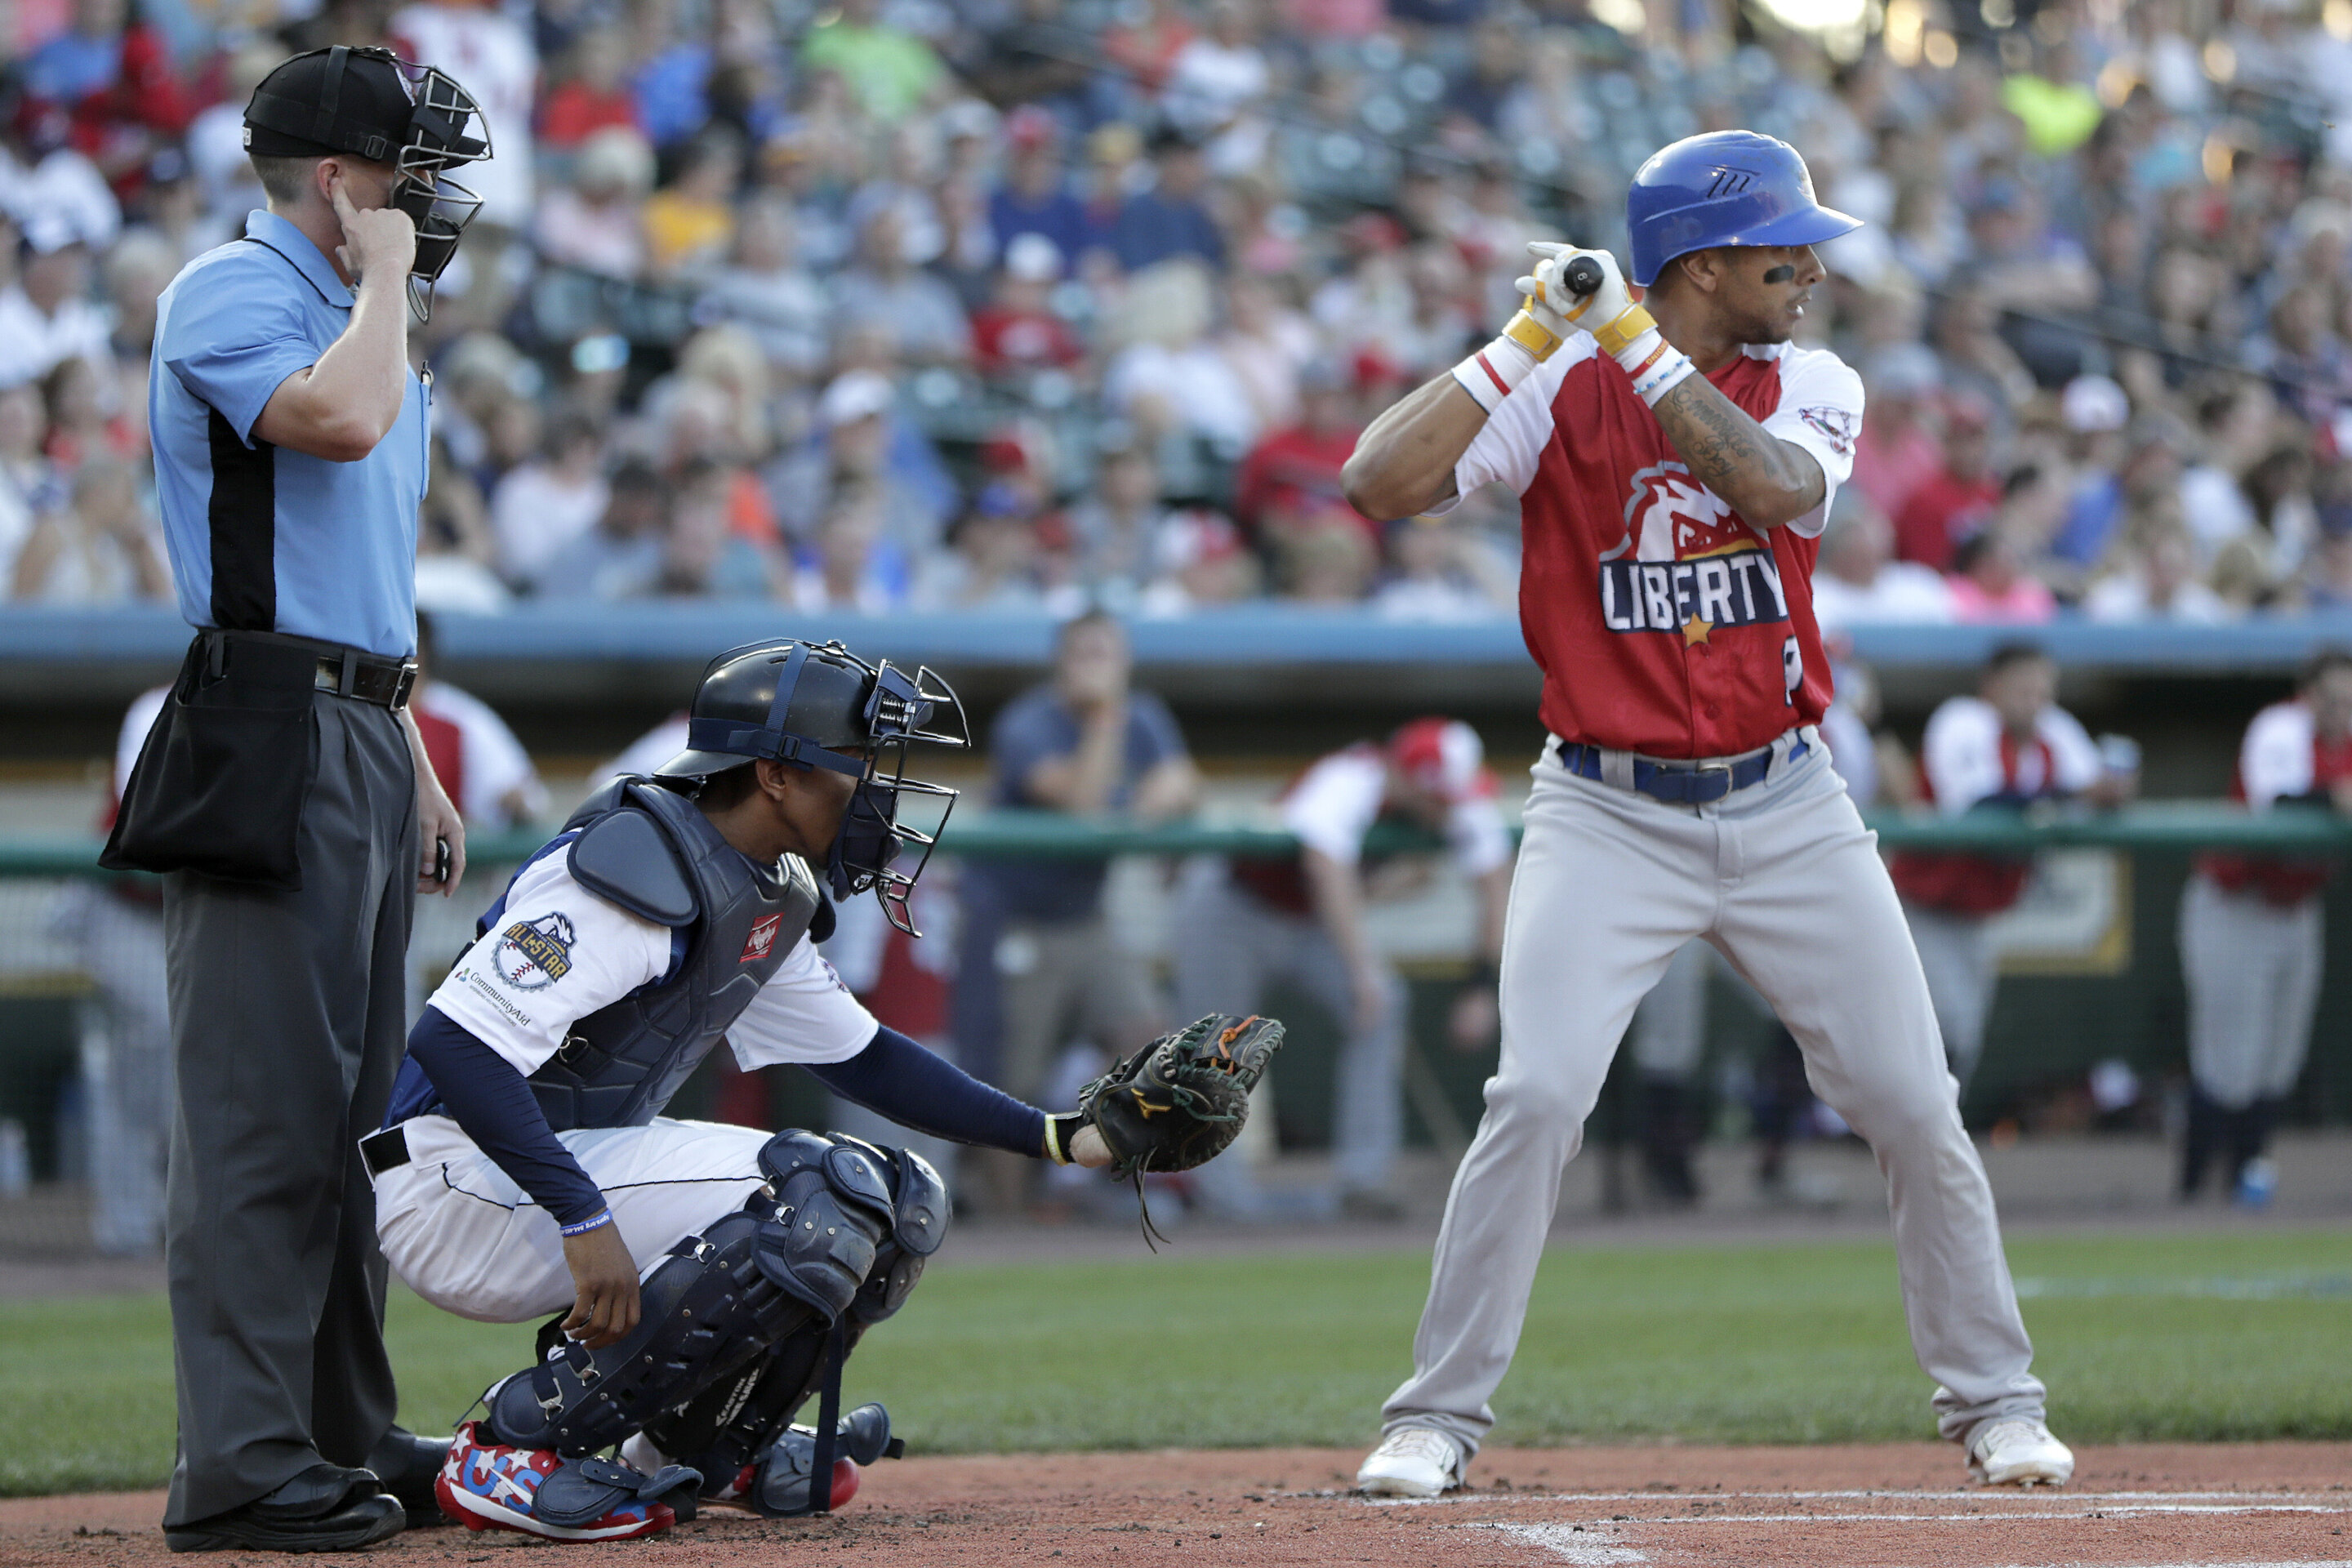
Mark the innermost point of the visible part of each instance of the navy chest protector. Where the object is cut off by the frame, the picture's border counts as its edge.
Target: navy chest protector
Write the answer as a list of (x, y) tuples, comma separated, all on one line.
[(653, 853)]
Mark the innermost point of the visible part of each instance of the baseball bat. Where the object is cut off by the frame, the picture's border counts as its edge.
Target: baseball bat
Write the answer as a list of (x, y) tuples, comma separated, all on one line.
[(1582, 276)]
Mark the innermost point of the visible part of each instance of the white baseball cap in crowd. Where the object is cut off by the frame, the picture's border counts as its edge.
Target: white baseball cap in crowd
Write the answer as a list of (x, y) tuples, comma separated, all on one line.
[(855, 395), (1032, 259), (2094, 405)]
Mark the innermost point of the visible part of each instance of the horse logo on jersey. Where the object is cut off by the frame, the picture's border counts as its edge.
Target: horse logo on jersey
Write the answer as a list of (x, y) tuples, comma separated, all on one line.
[(1688, 563), (535, 953)]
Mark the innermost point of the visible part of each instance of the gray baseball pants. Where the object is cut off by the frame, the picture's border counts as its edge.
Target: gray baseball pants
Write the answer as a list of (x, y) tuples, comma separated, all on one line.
[(2252, 969), (1955, 954), (126, 1062), (1785, 882), (1234, 943), (288, 1020)]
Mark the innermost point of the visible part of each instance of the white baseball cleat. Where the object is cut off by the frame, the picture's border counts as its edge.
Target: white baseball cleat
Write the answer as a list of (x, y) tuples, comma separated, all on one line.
[(2018, 1451), (1411, 1461)]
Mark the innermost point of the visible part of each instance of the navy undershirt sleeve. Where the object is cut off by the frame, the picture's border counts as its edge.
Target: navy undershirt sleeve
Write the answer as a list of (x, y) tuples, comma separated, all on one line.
[(919, 1089), (493, 1103)]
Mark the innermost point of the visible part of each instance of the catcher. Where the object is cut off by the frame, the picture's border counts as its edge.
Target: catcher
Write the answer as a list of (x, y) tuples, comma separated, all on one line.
[(711, 1278)]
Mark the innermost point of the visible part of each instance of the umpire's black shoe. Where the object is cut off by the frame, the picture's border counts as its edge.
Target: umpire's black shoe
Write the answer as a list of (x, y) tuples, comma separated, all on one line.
[(326, 1508), (406, 1464)]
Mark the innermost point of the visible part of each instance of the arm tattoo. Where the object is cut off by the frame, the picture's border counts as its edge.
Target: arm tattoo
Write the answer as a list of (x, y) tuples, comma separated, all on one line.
[(1737, 458)]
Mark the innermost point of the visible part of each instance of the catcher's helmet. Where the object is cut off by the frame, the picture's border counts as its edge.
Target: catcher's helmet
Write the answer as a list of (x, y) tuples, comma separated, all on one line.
[(369, 103), (817, 705), (1726, 187)]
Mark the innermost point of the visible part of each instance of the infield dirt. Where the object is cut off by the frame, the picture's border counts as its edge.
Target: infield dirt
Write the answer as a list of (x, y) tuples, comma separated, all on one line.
[(1899, 1505)]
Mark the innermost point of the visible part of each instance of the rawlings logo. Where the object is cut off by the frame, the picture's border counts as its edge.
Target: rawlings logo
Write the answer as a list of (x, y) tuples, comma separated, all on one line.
[(535, 953), (1838, 427), (763, 940)]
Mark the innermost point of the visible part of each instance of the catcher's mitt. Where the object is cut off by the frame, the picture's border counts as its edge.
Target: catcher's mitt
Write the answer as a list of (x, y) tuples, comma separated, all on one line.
[(1182, 1099)]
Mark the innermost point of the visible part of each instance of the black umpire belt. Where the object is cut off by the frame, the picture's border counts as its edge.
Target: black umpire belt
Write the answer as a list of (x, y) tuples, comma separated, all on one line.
[(385, 1150), (348, 672), (1675, 783), (367, 677)]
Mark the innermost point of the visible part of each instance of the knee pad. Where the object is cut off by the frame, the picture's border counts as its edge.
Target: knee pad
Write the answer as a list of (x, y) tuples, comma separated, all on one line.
[(823, 1215), (920, 1215), (706, 1310), (727, 1427)]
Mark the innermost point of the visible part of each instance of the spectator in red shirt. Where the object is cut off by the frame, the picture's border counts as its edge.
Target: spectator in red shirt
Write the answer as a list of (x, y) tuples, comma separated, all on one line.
[(1960, 496), (1291, 478), (594, 94), (1018, 331)]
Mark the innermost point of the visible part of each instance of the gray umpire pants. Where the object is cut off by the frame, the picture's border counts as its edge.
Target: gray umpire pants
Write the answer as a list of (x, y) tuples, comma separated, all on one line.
[(287, 1024), (1785, 882), (2252, 969)]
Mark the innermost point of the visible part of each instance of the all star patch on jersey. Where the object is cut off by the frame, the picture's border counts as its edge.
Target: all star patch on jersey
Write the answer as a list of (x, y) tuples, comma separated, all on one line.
[(535, 953), (1838, 427)]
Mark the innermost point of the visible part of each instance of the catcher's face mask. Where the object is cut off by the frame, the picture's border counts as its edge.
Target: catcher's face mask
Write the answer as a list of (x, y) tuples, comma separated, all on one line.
[(891, 814), (817, 705)]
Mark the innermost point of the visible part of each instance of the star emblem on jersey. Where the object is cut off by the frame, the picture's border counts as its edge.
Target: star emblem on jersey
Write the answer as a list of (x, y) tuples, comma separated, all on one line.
[(534, 955), (761, 940), (1695, 631)]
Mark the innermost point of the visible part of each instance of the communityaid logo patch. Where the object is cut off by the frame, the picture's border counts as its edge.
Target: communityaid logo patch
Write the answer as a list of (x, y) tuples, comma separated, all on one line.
[(535, 953), (763, 940), (1688, 563)]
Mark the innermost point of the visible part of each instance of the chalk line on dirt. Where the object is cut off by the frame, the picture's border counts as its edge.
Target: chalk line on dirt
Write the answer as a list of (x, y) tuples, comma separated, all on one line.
[(2234, 1502), (1556, 1539)]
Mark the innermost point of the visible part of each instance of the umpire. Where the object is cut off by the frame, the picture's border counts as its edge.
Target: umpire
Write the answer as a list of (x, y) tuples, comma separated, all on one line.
[(286, 796)]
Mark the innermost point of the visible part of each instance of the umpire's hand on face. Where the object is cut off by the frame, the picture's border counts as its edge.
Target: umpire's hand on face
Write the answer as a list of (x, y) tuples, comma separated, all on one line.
[(605, 1303), (378, 241)]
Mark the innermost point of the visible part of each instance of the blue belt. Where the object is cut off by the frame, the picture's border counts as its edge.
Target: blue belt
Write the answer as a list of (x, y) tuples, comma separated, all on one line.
[(1680, 783)]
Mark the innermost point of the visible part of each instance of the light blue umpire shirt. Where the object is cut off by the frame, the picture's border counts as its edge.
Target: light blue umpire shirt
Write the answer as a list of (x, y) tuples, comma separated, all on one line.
[(263, 537)]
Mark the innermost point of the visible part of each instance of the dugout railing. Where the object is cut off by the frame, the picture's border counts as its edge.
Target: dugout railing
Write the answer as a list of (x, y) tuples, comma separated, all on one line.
[(2105, 987)]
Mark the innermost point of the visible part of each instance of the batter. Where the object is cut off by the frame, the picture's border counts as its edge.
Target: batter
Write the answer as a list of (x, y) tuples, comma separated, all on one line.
[(1675, 461)]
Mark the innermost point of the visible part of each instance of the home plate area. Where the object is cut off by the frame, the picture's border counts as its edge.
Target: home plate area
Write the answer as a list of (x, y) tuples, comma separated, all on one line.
[(1892, 1505), (2143, 1506)]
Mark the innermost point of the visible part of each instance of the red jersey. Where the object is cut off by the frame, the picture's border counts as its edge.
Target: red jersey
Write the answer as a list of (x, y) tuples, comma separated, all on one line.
[(1665, 623), (1969, 756), (1295, 473), (1940, 512), (2283, 757)]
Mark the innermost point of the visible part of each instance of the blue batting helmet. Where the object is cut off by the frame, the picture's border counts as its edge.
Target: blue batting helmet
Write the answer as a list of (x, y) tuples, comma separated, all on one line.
[(1726, 187)]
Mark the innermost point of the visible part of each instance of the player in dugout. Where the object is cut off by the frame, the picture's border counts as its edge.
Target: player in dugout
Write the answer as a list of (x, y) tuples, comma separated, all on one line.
[(2254, 940)]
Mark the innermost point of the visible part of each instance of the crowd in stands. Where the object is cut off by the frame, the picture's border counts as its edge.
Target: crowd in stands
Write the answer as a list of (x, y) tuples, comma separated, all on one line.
[(1037, 304)]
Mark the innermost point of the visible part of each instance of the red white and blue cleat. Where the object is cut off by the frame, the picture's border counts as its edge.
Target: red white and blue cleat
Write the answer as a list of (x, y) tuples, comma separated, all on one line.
[(485, 1485)]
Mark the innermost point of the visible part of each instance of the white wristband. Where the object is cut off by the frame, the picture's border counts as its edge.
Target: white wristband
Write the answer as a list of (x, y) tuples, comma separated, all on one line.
[(1489, 375), (1655, 365)]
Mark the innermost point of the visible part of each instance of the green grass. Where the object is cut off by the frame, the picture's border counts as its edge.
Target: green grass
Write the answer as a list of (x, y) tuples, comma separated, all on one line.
[(2181, 1337)]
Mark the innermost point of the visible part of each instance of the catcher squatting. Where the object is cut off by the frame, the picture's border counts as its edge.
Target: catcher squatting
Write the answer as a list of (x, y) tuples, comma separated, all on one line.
[(712, 1278)]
